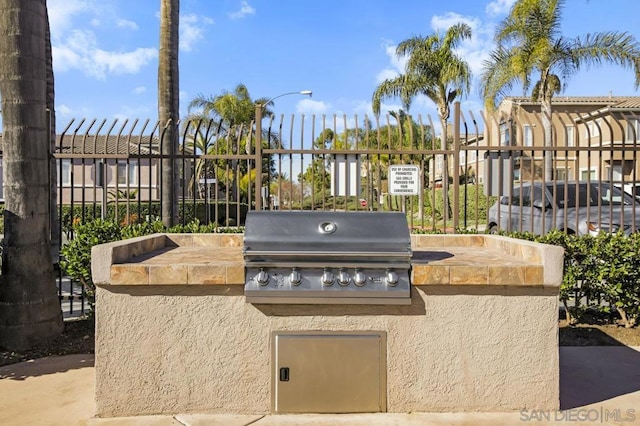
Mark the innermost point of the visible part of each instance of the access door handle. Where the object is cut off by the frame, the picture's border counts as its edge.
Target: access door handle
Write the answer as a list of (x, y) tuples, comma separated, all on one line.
[(284, 374)]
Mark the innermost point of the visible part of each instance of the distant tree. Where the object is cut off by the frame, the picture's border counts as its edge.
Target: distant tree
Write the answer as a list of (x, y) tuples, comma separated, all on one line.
[(433, 69), (530, 42), (29, 307), (232, 108), (401, 133), (233, 114), (316, 175)]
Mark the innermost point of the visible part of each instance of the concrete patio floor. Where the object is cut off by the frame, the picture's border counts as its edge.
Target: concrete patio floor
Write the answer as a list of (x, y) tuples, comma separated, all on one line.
[(598, 385)]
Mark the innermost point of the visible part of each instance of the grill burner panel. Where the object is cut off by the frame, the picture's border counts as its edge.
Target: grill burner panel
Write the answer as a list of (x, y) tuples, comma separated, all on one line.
[(327, 258)]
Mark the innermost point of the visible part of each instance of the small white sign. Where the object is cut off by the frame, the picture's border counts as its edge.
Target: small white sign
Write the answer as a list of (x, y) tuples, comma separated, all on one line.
[(404, 180)]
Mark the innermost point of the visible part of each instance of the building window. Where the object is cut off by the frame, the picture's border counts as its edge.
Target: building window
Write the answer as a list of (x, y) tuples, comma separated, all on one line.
[(633, 130), (505, 134), (593, 129), (65, 174), (527, 135), (563, 174), (127, 172), (516, 174), (587, 174), (571, 138)]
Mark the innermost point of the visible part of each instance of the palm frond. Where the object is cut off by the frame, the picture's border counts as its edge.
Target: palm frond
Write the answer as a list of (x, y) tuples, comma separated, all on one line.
[(619, 48)]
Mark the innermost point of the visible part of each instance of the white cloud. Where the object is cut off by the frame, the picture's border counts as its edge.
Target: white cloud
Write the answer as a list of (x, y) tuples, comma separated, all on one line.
[(397, 64), (75, 46), (245, 9), (81, 52), (64, 111), (444, 22), (192, 30), (61, 12), (127, 112), (386, 74), (125, 23), (474, 50), (139, 90), (499, 7), (309, 106), (122, 62), (65, 58)]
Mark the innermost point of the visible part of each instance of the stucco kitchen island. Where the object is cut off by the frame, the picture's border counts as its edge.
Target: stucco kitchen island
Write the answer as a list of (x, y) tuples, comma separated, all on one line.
[(175, 335)]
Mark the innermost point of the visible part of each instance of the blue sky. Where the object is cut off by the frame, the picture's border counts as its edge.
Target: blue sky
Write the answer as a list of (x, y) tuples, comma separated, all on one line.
[(105, 51)]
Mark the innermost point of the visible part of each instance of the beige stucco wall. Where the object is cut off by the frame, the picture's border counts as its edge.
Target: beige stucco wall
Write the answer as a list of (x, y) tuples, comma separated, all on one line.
[(175, 349)]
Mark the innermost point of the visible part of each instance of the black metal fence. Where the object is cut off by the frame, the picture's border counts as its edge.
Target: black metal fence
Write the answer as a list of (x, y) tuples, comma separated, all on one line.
[(112, 171)]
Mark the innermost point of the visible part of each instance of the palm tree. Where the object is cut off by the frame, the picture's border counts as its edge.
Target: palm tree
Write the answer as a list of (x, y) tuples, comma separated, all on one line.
[(168, 104), (29, 307), (530, 45), (233, 114), (232, 108), (433, 69), (53, 182)]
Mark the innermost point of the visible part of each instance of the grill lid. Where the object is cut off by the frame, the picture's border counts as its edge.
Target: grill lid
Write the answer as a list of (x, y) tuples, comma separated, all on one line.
[(327, 234)]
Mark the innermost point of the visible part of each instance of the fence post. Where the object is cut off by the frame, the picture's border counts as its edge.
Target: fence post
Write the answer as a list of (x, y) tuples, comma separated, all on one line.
[(258, 153), (456, 165)]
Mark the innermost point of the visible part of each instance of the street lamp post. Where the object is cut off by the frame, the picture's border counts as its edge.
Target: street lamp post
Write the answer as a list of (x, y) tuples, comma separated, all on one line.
[(259, 109)]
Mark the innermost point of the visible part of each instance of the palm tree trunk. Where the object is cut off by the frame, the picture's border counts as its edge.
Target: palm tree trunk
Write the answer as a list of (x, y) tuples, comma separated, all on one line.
[(53, 184), (168, 105), (29, 307)]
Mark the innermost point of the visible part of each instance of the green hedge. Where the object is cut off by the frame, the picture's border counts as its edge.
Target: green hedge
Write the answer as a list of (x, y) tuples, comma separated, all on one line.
[(606, 266), (148, 212), (476, 209)]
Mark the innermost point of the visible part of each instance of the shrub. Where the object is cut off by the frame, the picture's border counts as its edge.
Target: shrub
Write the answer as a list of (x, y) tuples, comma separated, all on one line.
[(129, 212), (605, 266), (76, 253), (618, 273)]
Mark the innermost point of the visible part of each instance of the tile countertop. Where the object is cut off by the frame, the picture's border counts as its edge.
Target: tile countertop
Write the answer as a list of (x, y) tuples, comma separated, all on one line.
[(216, 259)]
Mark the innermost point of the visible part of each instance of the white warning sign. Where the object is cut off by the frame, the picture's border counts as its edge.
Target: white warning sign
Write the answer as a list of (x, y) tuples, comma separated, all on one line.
[(404, 180)]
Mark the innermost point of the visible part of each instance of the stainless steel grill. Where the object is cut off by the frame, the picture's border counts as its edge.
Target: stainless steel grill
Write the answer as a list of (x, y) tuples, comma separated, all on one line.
[(327, 257)]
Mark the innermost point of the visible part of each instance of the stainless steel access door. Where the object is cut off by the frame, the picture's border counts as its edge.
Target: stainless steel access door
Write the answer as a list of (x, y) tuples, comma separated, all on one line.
[(329, 372)]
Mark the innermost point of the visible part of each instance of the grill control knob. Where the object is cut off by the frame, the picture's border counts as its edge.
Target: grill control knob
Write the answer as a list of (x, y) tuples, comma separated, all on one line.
[(344, 278), (327, 278), (360, 278), (295, 278), (391, 278), (263, 277)]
